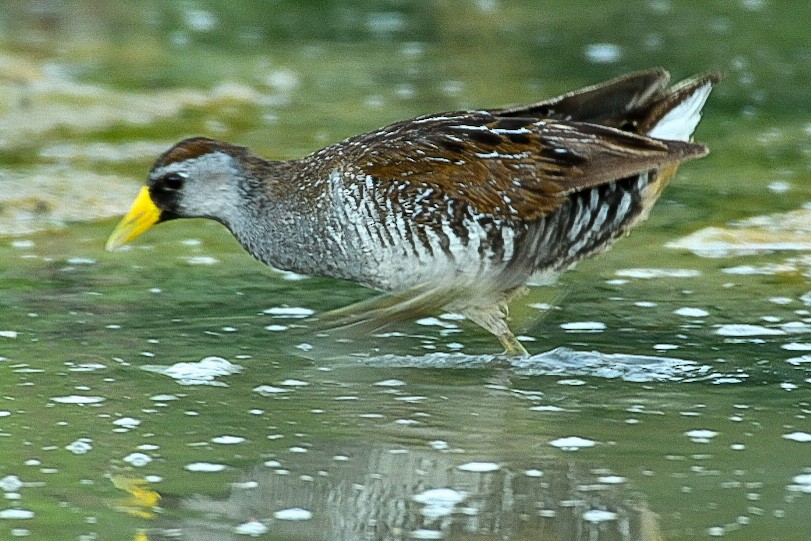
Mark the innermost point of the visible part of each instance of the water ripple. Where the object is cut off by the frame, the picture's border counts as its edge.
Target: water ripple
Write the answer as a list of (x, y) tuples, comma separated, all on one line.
[(562, 362)]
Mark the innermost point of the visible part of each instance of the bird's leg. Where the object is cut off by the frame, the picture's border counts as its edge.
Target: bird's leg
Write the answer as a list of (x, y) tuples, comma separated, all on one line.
[(494, 319), (512, 294), (512, 346), (510, 343)]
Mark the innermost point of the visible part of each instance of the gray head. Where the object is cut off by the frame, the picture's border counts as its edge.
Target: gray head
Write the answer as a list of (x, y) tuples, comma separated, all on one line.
[(196, 178)]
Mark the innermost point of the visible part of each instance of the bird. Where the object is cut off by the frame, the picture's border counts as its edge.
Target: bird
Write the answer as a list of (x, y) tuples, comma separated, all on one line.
[(457, 210)]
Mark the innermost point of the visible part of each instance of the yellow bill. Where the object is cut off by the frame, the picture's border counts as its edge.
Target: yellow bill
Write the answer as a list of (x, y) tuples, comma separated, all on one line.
[(142, 215)]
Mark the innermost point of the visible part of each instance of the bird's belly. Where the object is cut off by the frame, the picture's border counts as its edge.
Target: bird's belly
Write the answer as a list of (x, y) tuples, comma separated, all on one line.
[(377, 246), (439, 253)]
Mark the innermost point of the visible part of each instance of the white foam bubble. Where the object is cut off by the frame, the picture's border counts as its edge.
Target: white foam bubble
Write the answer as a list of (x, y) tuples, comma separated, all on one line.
[(78, 399), (138, 459), (691, 312), (267, 390), (127, 422), (479, 467), (650, 274), (206, 467), (572, 443), (598, 515), (439, 502), (10, 483), (741, 329), (583, 326), (294, 312), (228, 440), (203, 372), (16, 514), (701, 435), (295, 513), (254, 528), (80, 446)]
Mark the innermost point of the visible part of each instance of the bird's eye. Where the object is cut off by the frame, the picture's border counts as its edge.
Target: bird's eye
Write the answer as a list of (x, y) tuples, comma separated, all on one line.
[(173, 181)]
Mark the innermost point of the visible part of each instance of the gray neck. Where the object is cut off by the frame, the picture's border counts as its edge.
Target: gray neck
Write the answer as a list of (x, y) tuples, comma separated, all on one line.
[(290, 224)]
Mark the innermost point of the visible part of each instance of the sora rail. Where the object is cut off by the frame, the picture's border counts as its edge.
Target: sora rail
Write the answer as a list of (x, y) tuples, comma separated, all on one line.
[(455, 210)]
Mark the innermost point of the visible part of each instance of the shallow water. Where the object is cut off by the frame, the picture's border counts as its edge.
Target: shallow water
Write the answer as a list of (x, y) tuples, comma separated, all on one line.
[(178, 389)]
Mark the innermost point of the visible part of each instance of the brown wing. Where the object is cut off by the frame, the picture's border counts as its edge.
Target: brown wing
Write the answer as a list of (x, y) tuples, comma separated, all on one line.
[(608, 103), (512, 167), (633, 102)]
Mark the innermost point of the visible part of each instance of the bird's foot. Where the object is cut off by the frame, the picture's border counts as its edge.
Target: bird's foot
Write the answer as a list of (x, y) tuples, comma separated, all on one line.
[(512, 347)]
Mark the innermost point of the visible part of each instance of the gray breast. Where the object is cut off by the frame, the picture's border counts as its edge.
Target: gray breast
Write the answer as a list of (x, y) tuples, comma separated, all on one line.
[(400, 235)]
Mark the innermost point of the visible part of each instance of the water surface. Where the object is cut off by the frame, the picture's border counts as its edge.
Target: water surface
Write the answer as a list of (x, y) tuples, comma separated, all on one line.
[(179, 389)]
